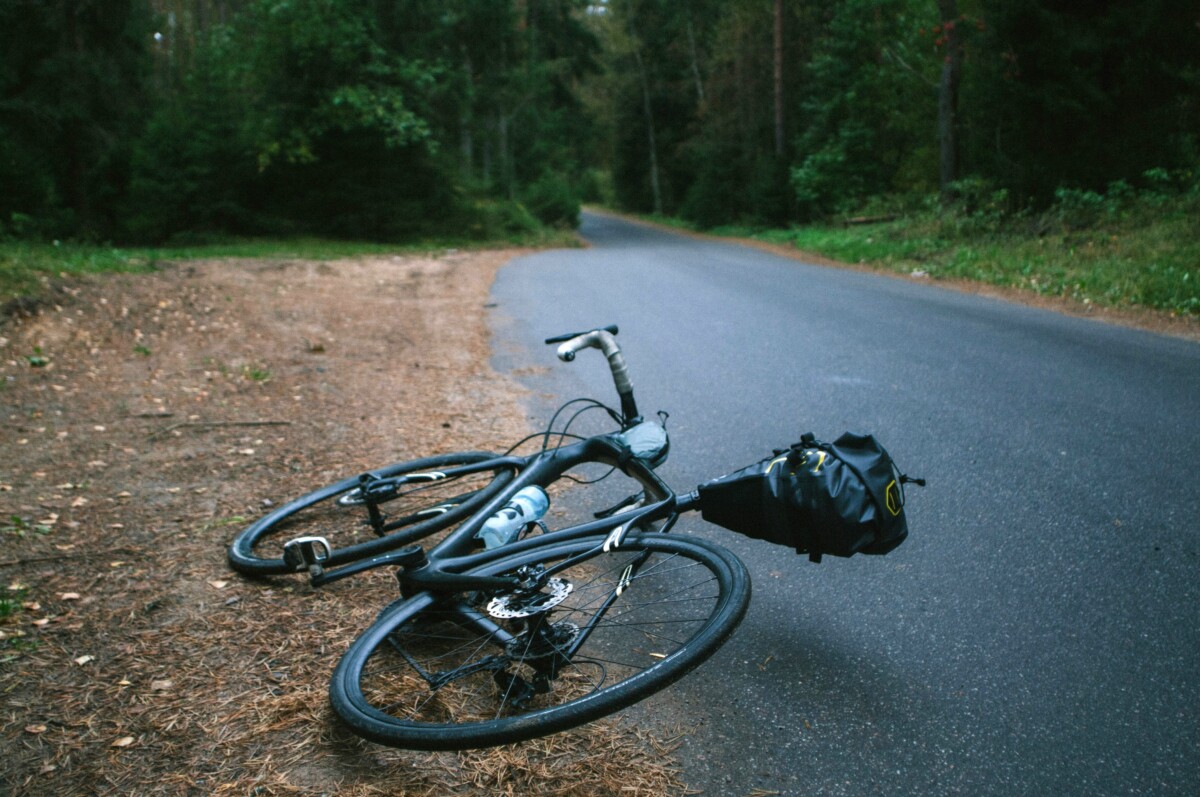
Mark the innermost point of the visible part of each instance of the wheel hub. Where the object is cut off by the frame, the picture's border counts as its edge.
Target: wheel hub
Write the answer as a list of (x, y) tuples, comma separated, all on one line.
[(551, 640)]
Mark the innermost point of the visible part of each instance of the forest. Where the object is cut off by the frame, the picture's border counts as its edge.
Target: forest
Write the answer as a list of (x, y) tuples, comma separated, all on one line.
[(145, 121)]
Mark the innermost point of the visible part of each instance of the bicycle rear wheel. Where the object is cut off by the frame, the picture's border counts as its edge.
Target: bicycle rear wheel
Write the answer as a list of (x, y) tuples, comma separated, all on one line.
[(609, 629), (375, 512)]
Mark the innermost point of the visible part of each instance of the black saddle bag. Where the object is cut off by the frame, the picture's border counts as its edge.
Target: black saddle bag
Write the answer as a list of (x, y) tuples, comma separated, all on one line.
[(838, 498)]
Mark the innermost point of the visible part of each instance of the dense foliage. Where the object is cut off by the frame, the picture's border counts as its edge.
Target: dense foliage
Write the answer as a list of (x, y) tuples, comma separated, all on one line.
[(151, 120), (1035, 96)]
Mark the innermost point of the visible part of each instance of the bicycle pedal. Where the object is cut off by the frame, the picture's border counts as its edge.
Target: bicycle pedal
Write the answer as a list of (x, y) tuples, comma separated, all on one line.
[(305, 552)]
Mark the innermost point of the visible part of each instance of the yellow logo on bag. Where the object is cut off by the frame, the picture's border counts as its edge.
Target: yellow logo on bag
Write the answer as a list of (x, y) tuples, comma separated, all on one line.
[(775, 462), (895, 502), (816, 469)]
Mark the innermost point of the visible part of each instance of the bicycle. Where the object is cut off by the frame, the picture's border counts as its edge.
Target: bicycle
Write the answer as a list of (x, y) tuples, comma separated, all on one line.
[(424, 496), (550, 631)]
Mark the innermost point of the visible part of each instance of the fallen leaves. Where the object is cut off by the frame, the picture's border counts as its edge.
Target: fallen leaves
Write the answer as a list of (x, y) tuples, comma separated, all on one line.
[(176, 676)]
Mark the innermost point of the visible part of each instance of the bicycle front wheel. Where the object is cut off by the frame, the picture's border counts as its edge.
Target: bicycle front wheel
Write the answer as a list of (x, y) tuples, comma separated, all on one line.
[(375, 512), (605, 629)]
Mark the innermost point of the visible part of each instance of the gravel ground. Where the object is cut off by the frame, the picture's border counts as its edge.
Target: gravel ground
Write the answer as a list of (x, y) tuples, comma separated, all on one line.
[(146, 420)]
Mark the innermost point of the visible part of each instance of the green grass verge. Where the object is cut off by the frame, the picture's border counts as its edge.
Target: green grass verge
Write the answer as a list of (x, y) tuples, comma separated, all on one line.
[(26, 268), (1148, 259), (1155, 266)]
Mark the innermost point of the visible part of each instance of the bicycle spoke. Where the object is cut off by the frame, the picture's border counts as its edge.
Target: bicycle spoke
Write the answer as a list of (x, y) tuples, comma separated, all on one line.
[(607, 629), (637, 631), (354, 513)]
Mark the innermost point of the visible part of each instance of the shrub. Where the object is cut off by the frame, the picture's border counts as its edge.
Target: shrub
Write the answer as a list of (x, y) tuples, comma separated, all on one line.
[(596, 185), (709, 200), (498, 219), (979, 207), (552, 200), (1079, 209)]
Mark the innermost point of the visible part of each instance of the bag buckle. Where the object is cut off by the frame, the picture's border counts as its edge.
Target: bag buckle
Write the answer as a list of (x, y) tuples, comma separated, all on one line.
[(306, 552)]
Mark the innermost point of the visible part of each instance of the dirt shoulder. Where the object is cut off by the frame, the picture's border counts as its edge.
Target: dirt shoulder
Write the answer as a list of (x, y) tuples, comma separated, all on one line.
[(147, 419)]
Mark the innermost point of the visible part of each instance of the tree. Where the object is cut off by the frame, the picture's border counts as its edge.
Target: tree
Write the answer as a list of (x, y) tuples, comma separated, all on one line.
[(633, 31), (1069, 95), (292, 116), (778, 75), (651, 143), (952, 37), (868, 109), (702, 80), (73, 79)]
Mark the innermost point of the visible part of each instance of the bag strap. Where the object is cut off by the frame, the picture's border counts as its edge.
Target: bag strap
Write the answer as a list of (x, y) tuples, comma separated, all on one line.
[(809, 440), (796, 450)]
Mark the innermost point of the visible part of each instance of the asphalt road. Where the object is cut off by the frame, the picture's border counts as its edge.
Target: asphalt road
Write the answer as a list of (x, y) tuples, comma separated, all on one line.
[(1039, 632)]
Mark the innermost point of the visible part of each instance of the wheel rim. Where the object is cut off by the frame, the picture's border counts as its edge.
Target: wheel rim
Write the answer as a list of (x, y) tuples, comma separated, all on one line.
[(441, 679), (405, 502)]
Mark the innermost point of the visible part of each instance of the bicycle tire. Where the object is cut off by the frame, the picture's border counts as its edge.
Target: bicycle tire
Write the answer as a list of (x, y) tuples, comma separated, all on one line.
[(386, 687), (416, 510)]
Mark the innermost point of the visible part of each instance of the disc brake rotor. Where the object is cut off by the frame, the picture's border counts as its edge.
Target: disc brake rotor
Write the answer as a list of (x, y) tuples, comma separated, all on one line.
[(513, 605)]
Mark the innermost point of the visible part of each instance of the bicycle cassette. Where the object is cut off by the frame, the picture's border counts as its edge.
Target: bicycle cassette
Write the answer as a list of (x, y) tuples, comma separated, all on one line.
[(517, 604)]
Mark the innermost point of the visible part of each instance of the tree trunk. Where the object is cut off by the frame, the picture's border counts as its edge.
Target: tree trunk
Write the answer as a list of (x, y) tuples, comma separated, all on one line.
[(466, 143), (466, 139), (486, 154), (506, 164), (948, 98), (779, 78), (691, 34), (74, 133), (654, 186)]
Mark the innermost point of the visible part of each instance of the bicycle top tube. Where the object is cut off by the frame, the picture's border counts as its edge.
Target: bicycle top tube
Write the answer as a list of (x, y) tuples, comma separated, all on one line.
[(458, 552), (544, 468)]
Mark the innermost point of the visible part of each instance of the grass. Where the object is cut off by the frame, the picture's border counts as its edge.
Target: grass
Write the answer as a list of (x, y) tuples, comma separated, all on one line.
[(13, 640), (1154, 265), (1117, 251), (17, 526), (1122, 254), (27, 268)]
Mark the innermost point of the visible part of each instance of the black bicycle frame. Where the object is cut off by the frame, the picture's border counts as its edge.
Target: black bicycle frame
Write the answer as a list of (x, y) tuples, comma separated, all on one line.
[(444, 567)]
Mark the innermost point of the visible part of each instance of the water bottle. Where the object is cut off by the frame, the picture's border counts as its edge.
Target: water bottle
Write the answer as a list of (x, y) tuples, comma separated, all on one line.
[(529, 504)]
